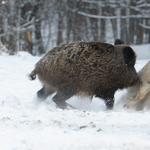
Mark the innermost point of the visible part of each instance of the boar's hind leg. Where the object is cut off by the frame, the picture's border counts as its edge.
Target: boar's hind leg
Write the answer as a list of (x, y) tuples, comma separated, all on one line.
[(60, 99), (43, 93)]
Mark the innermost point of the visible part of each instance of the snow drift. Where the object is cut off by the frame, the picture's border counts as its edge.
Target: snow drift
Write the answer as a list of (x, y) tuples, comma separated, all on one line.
[(27, 123)]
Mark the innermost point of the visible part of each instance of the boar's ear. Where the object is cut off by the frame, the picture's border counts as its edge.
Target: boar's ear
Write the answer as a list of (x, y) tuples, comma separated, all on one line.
[(118, 42), (129, 55)]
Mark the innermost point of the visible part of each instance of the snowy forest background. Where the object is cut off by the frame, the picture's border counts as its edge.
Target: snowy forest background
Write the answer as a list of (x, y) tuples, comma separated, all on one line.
[(38, 25)]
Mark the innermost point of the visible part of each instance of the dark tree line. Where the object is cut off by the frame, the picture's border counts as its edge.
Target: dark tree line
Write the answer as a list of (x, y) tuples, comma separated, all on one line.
[(38, 25)]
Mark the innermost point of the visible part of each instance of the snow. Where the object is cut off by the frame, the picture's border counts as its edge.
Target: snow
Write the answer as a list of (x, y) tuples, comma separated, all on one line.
[(143, 51), (29, 124), (3, 2)]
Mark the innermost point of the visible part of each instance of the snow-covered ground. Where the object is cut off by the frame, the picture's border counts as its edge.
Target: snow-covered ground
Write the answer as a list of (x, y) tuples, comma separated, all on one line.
[(28, 124)]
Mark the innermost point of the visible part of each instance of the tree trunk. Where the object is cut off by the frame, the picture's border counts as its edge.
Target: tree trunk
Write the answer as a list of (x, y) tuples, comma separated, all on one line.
[(60, 29)]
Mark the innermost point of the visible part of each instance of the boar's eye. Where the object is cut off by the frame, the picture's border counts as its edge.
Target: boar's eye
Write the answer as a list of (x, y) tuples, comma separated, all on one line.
[(128, 54)]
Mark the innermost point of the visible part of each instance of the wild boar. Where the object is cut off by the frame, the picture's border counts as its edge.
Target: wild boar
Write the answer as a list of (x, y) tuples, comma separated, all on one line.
[(85, 68), (141, 90)]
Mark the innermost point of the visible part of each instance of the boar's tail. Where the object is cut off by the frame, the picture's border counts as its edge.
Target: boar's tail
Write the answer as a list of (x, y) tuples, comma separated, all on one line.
[(32, 75)]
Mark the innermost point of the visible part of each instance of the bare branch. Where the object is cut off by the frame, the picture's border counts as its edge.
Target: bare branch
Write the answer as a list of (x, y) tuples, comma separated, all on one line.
[(112, 17), (144, 26)]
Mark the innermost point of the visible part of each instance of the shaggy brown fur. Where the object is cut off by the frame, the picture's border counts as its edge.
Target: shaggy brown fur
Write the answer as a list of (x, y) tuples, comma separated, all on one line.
[(88, 68)]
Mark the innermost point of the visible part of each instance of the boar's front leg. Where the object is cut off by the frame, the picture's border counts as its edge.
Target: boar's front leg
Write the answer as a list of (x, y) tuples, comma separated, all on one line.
[(108, 97), (61, 97), (109, 103), (43, 93)]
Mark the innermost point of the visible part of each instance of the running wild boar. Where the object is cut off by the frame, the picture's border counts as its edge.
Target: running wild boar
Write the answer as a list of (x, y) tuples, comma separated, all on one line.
[(85, 68)]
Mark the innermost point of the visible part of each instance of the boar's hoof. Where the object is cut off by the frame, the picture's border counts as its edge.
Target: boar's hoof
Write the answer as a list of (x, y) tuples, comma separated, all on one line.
[(60, 99), (109, 103), (63, 105)]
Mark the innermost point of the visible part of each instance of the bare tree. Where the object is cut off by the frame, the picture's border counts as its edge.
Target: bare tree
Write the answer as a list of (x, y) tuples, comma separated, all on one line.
[(38, 25)]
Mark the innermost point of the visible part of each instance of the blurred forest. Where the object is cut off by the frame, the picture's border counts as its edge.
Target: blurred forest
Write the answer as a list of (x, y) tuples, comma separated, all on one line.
[(38, 25)]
